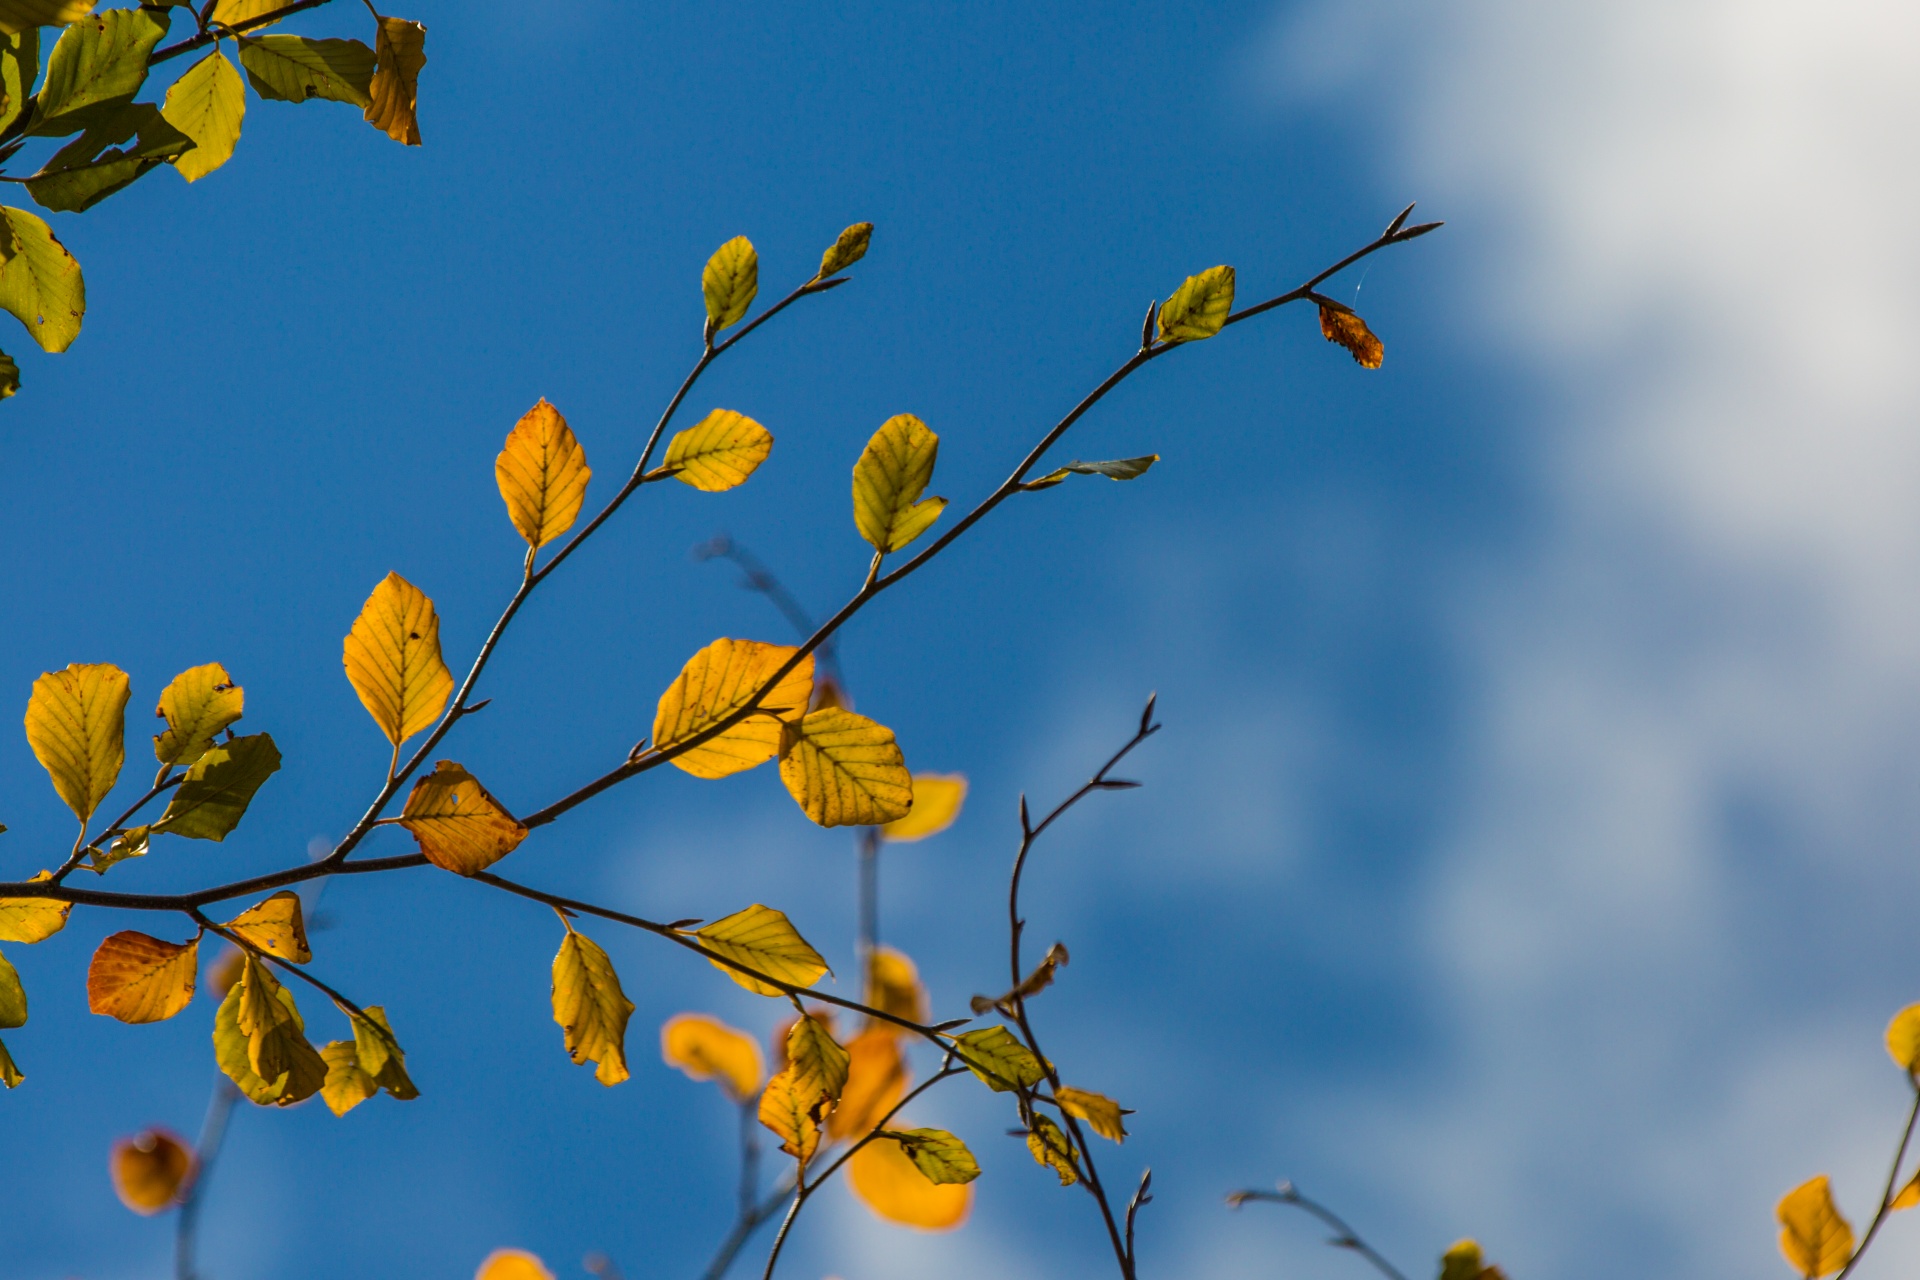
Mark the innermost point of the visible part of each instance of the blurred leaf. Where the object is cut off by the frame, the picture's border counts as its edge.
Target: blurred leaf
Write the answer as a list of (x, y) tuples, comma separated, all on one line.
[(19, 65), (150, 1170), (512, 1264), (1337, 324), (76, 725), (876, 1081), (848, 248), (32, 919), (1199, 307), (845, 770), (13, 997), (1102, 1112), (18, 16), (347, 1086), (1000, 1060), (764, 940), (893, 471), (893, 986), (937, 798), (99, 58), (729, 282), (1112, 469), (40, 283), (542, 473), (460, 826), (215, 794), (1909, 1195), (1813, 1235), (886, 1180), (1032, 985), (136, 978), (95, 166), (590, 1007), (1903, 1039), (207, 104), (392, 656), (715, 683), (399, 52), (296, 68), (276, 927), (197, 704), (1051, 1148), (708, 1049), (719, 452), (940, 1157)]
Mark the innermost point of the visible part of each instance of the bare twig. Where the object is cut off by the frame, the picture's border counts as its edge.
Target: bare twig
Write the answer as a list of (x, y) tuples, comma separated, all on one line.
[(213, 1133), (1893, 1181), (1345, 1237)]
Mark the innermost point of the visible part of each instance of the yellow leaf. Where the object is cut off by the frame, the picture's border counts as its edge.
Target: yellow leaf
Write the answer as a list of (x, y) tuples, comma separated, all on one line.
[(848, 248), (1103, 1113), (13, 997), (17, 15), (590, 1007), (717, 682), (1051, 1148), (845, 770), (940, 1157), (718, 452), (894, 470), (542, 473), (76, 724), (876, 1081), (270, 1024), (1813, 1235), (1337, 324), (380, 1054), (1903, 1038), (816, 1059), (392, 656), (764, 940), (886, 1180), (893, 986), (276, 927), (1909, 1195), (259, 1022), (347, 1086), (937, 798), (1199, 307), (458, 825), (136, 978), (1000, 1060), (150, 1170), (793, 1109), (10, 1074), (708, 1049), (400, 51), (32, 919), (235, 12), (512, 1264), (1462, 1261), (730, 281), (207, 104), (197, 704)]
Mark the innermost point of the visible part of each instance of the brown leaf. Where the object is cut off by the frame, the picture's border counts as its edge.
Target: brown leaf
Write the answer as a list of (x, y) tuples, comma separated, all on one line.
[(136, 978), (1337, 324), (399, 50)]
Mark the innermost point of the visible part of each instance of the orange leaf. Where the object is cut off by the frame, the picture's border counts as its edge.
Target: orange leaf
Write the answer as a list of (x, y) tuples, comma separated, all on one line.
[(151, 1170), (708, 1049), (884, 1179), (1350, 331), (876, 1081), (458, 825), (136, 978)]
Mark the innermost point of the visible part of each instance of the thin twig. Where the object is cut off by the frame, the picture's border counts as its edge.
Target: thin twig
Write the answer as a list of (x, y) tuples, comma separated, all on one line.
[(213, 1133), (1893, 1180), (1345, 1237)]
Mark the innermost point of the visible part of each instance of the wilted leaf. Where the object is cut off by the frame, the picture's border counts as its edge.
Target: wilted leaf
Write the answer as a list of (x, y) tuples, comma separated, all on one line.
[(718, 452), (276, 927), (1903, 1038), (542, 473), (893, 986), (1112, 469), (1813, 1235), (793, 1109), (1000, 1060), (512, 1264), (1337, 324), (23, 15), (845, 770), (940, 1157), (214, 796), (708, 1049), (32, 919), (122, 142), (1051, 1148), (764, 940), (347, 1086), (876, 1081), (1102, 1112), (460, 826), (197, 704), (207, 104), (399, 51), (151, 1170), (13, 997), (392, 656), (886, 1180), (894, 470), (258, 1021), (729, 282), (848, 248), (937, 798), (76, 725), (136, 978), (97, 59), (40, 283), (716, 683), (295, 68), (590, 1007), (1199, 307), (1032, 985)]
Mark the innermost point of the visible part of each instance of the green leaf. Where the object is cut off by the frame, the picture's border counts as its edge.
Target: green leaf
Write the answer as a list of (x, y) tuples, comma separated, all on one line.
[(9, 376), (85, 172), (13, 997), (101, 58), (17, 16), (217, 790), (234, 12), (40, 283), (301, 1070), (19, 67), (1051, 1148), (1112, 469), (730, 281), (1000, 1060), (206, 104), (10, 1075), (131, 843), (294, 68), (1199, 307), (937, 1154)]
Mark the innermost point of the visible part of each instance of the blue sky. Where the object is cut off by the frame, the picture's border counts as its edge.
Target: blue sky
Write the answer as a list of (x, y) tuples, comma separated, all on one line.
[(1525, 855)]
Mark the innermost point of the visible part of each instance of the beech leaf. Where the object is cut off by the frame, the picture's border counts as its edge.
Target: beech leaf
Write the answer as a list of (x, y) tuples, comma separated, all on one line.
[(399, 51), (137, 978), (214, 796), (76, 725), (729, 282), (392, 656), (848, 248), (1199, 307), (459, 826), (717, 682), (542, 473), (708, 1049), (893, 471), (32, 919), (1337, 324), (937, 798), (763, 939), (1813, 1235), (196, 704), (940, 1157), (207, 104), (275, 926), (718, 452), (885, 1179), (843, 769), (590, 1007)]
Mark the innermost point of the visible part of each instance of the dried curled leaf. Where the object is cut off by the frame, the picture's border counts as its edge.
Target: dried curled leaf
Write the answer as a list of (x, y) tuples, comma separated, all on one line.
[(1199, 307), (392, 656), (1337, 324), (399, 51), (1032, 985), (729, 282), (764, 940), (590, 1007), (1112, 469), (136, 978), (848, 248), (894, 470), (1098, 1110), (76, 725), (542, 473), (32, 919), (718, 452), (150, 1170), (937, 798), (1051, 1148), (940, 1157), (196, 704), (885, 1179), (276, 926), (459, 826), (716, 683), (843, 769), (1813, 1235), (708, 1049)]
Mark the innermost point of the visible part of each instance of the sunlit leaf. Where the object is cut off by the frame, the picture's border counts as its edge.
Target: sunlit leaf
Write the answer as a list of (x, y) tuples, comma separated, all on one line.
[(1909, 1195), (1903, 1038), (136, 978), (1337, 324), (708, 1049), (40, 283), (97, 59), (258, 1022), (876, 1081), (894, 470), (1464, 1261), (458, 824), (76, 725), (10, 1073), (937, 798), (512, 1264), (399, 51), (1199, 307), (23, 15), (134, 842), (380, 1054), (1032, 985), (1051, 1148), (893, 986), (150, 1170), (718, 452), (235, 12), (816, 1059), (542, 473), (940, 1157), (590, 1007), (717, 682), (848, 248), (13, 997), (1000, 1060), (1112, 469), (197, 704), (1813, 1235), (887, 1181), (122, 142), (793, 1109), (347, 1086), (359, 1068), (296, 68), (1102, 1112), (275, 926), (32, 919), (729, 282), (19, 64), (764, 940), (843, 770), (207, 104), (392, 656), (215, 794)]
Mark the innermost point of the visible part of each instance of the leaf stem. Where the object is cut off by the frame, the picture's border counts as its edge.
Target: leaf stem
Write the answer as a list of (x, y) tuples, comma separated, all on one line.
[(1345, 1237), (1893, 1180)]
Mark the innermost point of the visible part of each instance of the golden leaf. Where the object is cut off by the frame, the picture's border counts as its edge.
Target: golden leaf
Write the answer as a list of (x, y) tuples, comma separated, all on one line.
[(17, 15), (542, 473), (1909, 1195), (276, 927), (459, 826), (764, 940), (1813, 1235), (938, 1155), (512, 1264), (32, 919), (392, 656), (708, 1049), (1102, 1112), (258, 1024), (894, 470), (1337, 324), (876, 1081), (718, 452), (887, 1181), (1463, 1261), (1032, 985), (400, 51), (1903, 1038), (716, 683), (1000, 1060), (937, 798), (1199, 307), (590, 1007), (848, 248), (10, 1074), (893, 986), (380, 1054), (76, 725), (792, 1108), (13, 997), (347, 1086), (815, 1059), (845, 770), (207, 104), (151, 1170), (1051, 1148), (136, 978), (197, 704), (729, 281)]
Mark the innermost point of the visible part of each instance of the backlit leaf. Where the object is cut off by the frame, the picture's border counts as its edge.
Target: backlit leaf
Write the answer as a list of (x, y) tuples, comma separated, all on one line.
[(1464, 1261), (937, 798), (708, 1049), (894, 470), (347, 1086), (816, 1059), (214, 796), (32, 919), (98, 58), (1909, 1195), (893, 986), (399, 51), (296, 68), (512, 1264), (150, 1170), (13, 997), (716, 683), (248, 1028), (729, 282), (197, 704), (590, 1007), (848, 248), (19, 64), (380, 1054), (134, 842), (24, 15), (40, 283), (458, 824), (718, 452), (10, 1073), (276, 927), (1051, 1148), (1199, 307), (940, 1157), (207, 104), (886, 1180), (392, 656), (845, 770), (1000, 1060), (876, 1081), (764, 940), (1112, 469), (1337, 324), (1102, 1112), (9, 376), (793, 1109), (136, 978), (542, 473), (122, 142), (1813, 1235), (76, 725), (235, 12), (1903, 1038)]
